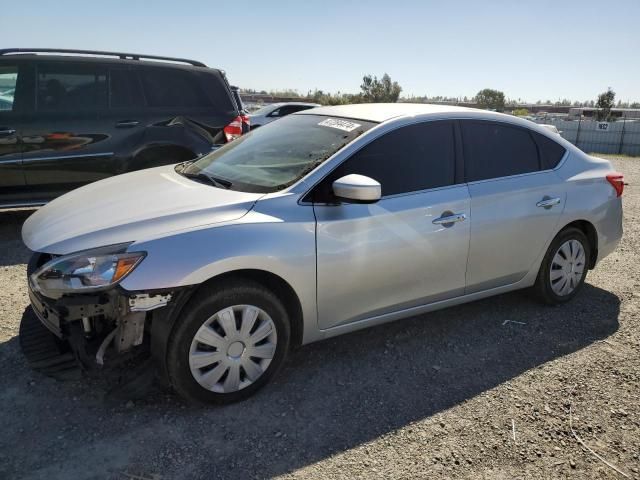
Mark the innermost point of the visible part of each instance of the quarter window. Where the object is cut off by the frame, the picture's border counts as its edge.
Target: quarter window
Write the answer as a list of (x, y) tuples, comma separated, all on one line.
[(409, 159), (71, 88), (173, 88), (550, 152), (493, 150), (8, 81)]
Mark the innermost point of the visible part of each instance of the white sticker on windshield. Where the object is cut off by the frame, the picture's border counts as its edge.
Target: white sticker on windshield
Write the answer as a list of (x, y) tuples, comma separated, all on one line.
[(345, 125)]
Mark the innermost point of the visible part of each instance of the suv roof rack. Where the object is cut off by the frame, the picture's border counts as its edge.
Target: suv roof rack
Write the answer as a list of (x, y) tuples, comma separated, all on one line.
[(123, 56)]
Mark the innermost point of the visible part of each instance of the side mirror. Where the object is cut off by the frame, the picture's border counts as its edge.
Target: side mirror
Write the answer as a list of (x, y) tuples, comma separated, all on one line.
[(357, 189)]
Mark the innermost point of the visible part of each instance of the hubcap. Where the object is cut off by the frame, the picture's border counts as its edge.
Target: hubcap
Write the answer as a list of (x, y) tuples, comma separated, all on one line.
[(233, 348), (567, 267)]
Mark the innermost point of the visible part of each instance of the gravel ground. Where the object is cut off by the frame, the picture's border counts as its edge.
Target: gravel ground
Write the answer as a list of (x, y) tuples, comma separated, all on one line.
[(452, 394)]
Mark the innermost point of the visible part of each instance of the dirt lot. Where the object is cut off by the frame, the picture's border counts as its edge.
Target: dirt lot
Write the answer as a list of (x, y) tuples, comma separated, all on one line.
[(452, 394)]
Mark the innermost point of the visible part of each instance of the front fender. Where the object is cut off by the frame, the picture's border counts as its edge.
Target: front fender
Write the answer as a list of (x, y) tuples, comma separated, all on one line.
[(256, 242)]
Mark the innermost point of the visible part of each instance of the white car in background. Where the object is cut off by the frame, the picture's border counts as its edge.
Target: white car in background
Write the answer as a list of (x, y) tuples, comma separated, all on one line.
[(274, 111)]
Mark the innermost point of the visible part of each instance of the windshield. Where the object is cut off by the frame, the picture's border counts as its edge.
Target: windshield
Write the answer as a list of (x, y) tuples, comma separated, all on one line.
[(277, 155)]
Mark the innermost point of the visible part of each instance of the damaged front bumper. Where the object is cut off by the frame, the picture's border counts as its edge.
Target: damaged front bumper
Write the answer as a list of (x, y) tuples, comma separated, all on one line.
[(102, 327)]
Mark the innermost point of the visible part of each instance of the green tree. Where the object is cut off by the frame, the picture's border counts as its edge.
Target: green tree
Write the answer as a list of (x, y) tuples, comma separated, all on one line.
[(383, 90), (606, 101), (490, 99)]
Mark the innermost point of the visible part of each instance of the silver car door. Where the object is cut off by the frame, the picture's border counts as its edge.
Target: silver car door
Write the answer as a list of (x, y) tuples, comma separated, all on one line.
[(515, 203), (400, 252)]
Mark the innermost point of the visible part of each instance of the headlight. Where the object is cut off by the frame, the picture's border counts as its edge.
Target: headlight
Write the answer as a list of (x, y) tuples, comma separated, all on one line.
[(85, 271)]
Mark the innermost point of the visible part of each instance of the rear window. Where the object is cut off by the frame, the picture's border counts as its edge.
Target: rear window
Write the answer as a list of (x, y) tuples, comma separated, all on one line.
[(550, 152), (71, 88), (173, 88)]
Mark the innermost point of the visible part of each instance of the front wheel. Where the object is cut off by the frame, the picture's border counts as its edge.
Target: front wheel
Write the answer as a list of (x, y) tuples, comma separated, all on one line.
[(228, 343), (564, 267)]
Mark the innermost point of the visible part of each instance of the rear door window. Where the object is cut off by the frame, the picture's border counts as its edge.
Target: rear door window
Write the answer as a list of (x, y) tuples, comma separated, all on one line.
[(8, 83), (412, 158), (164, 87), (71, 88), (494, 150), (125, 89), (550, 152)]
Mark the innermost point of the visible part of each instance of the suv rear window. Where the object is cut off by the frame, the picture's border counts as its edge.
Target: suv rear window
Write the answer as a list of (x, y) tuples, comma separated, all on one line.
[(69, 88), (173, 88)]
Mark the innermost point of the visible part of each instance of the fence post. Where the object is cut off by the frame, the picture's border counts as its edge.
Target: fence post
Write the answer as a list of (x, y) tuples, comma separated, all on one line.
[(578, 132), (624, 124)]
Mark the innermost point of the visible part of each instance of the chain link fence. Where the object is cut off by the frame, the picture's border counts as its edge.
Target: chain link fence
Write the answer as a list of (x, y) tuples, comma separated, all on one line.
[(619, 137)]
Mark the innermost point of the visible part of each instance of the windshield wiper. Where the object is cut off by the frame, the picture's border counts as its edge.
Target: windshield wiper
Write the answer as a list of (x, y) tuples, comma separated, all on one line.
[(183, 165), (211, 180)]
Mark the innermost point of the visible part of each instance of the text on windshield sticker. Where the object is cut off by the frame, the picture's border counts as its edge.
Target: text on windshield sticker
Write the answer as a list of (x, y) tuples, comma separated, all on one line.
[(345, 125)]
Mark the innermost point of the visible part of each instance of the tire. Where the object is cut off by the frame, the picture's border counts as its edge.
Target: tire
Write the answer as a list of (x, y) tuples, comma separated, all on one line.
[(210, 315), (573, 274)]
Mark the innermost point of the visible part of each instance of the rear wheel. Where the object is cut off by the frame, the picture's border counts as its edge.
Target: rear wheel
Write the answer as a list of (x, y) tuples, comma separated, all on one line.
[(229, 343), (564, 267)]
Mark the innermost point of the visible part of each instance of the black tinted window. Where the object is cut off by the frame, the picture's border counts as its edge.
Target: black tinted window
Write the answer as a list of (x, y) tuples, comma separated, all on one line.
[(550, 152), (409, 159), (164, 87), (292, 109), (125, 89), (288, 110), (493, 150), (71, 88)]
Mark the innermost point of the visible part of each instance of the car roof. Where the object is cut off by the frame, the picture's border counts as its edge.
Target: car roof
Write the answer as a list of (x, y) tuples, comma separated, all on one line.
[(381, 112), (399, 112), (78, 58)]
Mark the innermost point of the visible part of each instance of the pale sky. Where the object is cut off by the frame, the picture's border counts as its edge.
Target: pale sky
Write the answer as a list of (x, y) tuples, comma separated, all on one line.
[(534, 50)]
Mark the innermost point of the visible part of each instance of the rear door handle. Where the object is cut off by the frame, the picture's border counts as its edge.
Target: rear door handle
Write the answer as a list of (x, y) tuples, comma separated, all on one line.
[(450, 218), (127, 123), (5, 131), (548, 202)]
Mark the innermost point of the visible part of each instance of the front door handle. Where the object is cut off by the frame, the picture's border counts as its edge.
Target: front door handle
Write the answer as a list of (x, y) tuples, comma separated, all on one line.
[(548, 202), (127, 123), (5, 131), (450, 218)]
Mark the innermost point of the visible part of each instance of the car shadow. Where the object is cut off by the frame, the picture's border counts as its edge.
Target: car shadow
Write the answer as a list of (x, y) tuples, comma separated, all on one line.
[(12, 250), (331, 396)]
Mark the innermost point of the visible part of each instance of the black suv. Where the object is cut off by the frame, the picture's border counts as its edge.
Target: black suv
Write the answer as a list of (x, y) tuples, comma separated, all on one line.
[(70, 119)]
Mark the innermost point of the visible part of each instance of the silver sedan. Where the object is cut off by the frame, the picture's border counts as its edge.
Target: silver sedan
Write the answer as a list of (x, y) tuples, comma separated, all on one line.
[(325, 222)]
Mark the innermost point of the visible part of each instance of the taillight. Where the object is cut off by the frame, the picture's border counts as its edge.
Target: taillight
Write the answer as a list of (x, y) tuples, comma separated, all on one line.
[(234, 129), (246, 119), (616, 180)]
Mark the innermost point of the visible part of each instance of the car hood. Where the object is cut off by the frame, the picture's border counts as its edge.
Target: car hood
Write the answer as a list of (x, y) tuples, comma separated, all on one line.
[(128, 208)]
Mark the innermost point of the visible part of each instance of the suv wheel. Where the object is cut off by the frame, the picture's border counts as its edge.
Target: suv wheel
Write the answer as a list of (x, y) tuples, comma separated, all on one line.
[(228, 344), (564, 267)]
